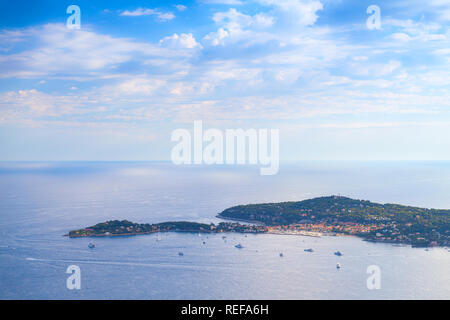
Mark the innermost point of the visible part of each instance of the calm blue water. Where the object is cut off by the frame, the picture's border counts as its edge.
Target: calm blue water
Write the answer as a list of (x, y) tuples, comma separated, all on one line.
[(39, 202)]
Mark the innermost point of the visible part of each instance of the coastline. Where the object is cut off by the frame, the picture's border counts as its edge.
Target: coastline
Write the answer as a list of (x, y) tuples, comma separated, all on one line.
[(109, 235), (303, 233), (324, 216)]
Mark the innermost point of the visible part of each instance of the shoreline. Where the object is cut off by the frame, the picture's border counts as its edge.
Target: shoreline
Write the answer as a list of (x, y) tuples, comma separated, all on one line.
[(323, 216), (303, 234)]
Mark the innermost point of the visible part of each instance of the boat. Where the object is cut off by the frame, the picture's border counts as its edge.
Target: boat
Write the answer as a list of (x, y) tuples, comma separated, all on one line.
[(308, 250), (239, 246), (180, 254), (281, 255), (338, 265), (338, 253), (91, 245)]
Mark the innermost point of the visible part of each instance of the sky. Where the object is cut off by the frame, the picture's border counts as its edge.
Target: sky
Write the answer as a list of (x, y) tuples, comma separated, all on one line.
[(135, 71)]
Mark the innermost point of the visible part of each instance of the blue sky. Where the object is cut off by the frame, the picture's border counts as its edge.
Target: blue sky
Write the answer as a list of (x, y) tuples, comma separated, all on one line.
[(136, 70)]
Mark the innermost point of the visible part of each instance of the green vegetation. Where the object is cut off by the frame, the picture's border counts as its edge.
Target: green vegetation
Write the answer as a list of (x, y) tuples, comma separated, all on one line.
[(124, 228), (331, 215), (384, 222)]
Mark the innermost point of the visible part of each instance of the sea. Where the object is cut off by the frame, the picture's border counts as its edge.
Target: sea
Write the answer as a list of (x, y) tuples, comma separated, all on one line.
[(40, 202)]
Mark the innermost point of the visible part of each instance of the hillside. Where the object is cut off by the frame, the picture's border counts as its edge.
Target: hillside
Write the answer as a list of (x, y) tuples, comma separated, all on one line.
[(389, 222)]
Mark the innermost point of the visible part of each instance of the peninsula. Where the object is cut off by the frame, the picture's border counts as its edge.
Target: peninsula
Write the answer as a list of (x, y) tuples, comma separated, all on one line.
[(128, 228), (334, 215)]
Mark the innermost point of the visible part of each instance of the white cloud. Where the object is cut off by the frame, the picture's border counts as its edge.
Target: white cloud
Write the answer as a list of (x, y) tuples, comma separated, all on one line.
[(180, 7), (304, 11), (185, 89), (163, 16), (217, 38), (236, 26), (400, 36), (228, 2), (443, 52), (409, 30), (288, 74), (33, 104), (306, 71), (84, 54), (376, 69), (262, 20), (183, 40), (234, 19), (136, 86), (442, 8)]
